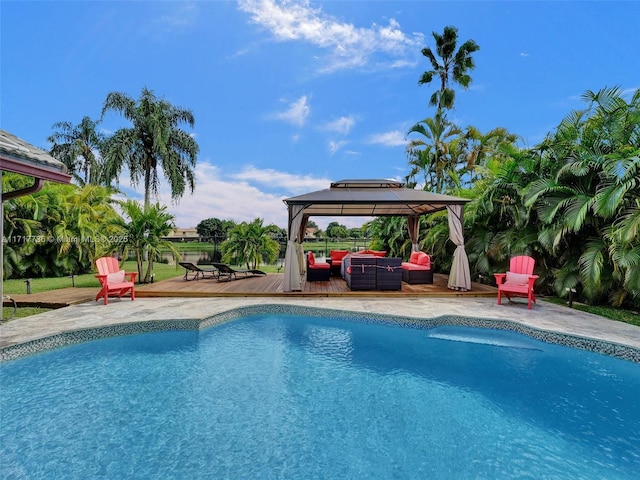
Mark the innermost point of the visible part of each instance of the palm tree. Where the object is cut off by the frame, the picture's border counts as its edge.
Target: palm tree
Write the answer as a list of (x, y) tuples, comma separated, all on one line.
[(454, 67), (154, 140), (144, 234), (63, 228), (590, 206), (251, 244), (431, 154), (79, 148)]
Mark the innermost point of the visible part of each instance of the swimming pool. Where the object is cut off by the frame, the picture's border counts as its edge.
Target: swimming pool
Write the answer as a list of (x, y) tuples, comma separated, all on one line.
[(286, 396)]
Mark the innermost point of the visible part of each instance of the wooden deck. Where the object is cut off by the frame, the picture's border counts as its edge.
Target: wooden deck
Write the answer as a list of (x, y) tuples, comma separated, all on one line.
[(263, 286), (271, 286)]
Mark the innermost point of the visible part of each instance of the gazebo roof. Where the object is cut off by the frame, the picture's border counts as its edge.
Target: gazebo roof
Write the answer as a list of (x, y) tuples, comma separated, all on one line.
[(372, 197), (18, 156)]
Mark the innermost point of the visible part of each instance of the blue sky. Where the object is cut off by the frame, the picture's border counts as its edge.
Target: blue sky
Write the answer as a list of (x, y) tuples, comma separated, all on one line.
[(289, 96)]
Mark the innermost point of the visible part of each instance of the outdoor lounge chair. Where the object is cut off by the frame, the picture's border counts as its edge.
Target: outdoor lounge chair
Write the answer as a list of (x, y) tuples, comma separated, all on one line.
[(518, 281), (225, 272), (113, 281), (197, 271), (317, 271)]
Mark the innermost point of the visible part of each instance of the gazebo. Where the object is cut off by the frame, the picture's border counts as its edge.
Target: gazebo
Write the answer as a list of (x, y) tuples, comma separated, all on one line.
[(374, 198)]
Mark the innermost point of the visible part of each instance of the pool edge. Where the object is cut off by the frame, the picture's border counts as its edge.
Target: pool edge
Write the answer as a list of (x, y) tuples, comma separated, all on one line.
[(71, 337)]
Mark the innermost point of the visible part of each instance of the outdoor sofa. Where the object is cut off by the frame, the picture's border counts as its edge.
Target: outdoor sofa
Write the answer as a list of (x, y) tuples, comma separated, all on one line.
[(335, 261), (418, 269), (371, 272)]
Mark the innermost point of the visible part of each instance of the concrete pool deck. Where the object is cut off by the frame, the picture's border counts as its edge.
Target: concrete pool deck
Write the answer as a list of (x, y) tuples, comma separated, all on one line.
[(544, 316)]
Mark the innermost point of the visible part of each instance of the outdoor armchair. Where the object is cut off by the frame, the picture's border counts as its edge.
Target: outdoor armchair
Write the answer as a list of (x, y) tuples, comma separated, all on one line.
[(114, 282), (317, 271), (518, 281)]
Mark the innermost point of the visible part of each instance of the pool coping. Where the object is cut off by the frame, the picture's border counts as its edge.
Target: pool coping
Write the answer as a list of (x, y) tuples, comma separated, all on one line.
[(80, 335)]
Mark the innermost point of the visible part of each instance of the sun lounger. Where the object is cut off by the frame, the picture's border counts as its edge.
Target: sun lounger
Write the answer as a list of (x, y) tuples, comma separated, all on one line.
[(225, 272), (197, 271)]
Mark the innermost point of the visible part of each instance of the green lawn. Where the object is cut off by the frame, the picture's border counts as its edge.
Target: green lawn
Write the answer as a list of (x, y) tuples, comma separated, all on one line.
[(618, 314)]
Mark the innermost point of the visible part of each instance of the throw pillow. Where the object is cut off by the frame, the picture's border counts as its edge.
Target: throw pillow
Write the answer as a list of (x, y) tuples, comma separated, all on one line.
[(424, 259), (312, 258), (414, 257), (516, 279), (117, 277)]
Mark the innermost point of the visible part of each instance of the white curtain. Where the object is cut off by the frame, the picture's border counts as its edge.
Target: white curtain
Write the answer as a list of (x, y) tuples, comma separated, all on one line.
[(413, 226), (460, 276), (292, 269)]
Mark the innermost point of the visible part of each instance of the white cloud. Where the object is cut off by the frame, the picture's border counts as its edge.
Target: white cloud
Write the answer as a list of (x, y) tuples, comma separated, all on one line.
[(341, 125), (393, 138), (240, 196), (183, 15), (346, 45), (297, 112), (287, 182), (335, 146)]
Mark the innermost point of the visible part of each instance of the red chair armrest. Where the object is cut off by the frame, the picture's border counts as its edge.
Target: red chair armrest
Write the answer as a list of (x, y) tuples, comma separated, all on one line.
[(131, 275), (500, 277)]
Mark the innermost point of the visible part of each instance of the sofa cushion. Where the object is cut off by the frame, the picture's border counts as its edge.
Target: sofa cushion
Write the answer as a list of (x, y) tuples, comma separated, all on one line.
[(320, 266), (414, 266), (337, 255), (379, 253), (424, 259), (311, 258), (414, 257)]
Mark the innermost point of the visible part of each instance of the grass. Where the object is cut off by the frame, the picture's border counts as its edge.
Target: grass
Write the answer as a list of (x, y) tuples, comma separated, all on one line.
[(618, 314), (9, 314)]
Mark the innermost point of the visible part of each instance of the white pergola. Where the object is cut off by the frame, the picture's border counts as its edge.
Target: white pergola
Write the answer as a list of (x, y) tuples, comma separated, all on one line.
[(374, 198)]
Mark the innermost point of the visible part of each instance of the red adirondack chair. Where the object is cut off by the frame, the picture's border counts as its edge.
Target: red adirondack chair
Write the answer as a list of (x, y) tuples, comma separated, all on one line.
[(519, 280), (114, 282)]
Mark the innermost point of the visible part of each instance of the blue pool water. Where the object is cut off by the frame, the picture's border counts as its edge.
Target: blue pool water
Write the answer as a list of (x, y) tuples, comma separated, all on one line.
[(288, 397)]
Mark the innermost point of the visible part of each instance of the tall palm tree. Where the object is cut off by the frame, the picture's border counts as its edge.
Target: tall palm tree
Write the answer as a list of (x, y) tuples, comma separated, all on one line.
[(79, 148), (454, 66), (154, 140)]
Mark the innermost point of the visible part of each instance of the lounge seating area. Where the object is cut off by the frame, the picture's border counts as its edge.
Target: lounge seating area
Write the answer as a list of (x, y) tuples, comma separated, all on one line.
[(371, 269)]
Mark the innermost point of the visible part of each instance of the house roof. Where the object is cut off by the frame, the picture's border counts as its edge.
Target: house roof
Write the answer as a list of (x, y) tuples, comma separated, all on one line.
[(372, 197), (18, 156)]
